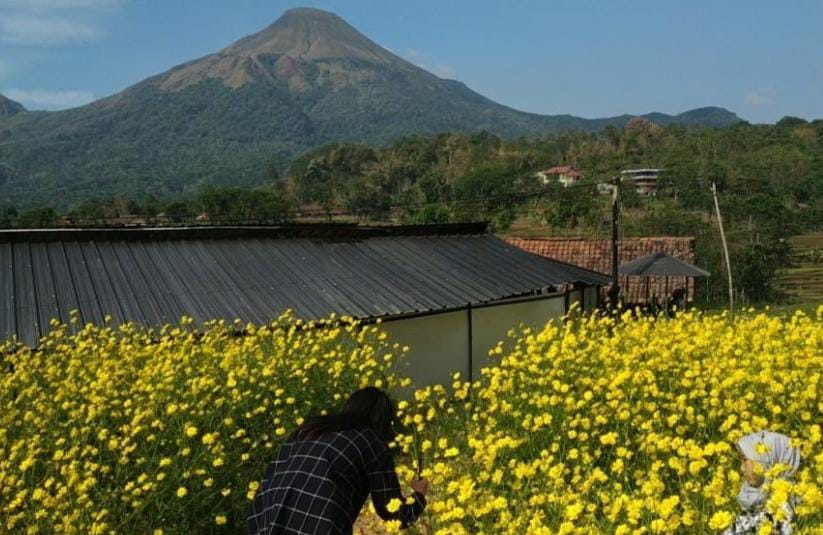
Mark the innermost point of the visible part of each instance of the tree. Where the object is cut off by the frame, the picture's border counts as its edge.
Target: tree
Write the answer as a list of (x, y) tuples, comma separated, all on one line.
[(489, 193), (37, 218), (569, 207), (240, 205), (272, 171)]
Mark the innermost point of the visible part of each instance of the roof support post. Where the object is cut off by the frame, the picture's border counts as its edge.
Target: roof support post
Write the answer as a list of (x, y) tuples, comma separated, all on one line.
[(471, 342), (614, 292)]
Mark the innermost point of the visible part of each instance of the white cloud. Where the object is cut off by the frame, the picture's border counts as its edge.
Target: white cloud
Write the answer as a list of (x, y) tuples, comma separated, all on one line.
[(761, 97), (60, 4), (412, 54), (415, 56), (42, 99), (5, 69), (36, 31), (444, 71), (52, 22)]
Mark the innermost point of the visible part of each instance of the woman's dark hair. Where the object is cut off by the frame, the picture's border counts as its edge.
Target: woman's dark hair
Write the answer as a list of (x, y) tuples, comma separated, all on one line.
[(367, 408)]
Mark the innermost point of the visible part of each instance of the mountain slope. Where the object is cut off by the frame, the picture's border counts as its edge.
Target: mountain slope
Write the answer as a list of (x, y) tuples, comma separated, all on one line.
[(8, 107), (308, 79)]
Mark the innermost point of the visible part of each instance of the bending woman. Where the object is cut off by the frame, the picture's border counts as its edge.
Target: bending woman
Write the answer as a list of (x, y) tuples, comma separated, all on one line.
[(327, 468)]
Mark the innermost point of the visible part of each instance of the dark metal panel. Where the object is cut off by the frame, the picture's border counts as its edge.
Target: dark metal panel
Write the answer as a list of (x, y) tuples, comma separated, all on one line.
[(661, 265), (281, 280), (124, 293), (270, 277), (139, 263), (325, 276), (28, 322), (367, 291), (455, 260), (103, 287), (8, 301), (180, 281), (219, 291), (148, 304), (297, 283), (382, 290), (406, 289), (430, 275), (244, 269), (67, 299), (80, 274), (48, 307), (516, 273)]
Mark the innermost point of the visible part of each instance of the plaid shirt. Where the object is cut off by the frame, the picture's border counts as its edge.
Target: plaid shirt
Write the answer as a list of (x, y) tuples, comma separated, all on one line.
[(319, 486)]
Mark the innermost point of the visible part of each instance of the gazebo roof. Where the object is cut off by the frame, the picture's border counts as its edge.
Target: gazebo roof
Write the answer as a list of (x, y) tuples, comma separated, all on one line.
[(661, 265)]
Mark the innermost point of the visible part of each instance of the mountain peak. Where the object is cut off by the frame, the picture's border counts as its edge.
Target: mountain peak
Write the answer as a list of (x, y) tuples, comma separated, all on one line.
[(311, 34), (9, 107), (309, 13), (281, 52)]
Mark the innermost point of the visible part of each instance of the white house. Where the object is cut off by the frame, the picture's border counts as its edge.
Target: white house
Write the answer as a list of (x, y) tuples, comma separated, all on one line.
[(565, 174)]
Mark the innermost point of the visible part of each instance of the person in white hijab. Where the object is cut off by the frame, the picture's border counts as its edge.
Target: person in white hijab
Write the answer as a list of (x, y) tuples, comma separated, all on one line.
[(763, 452)]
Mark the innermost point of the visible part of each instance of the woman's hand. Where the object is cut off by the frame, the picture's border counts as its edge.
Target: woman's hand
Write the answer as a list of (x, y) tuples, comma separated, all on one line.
[(421, 485), (751, 474)]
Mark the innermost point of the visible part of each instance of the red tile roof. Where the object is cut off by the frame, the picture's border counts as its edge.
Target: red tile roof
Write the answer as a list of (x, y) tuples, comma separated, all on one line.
[(558, 169), (595, 254), (562, 170)]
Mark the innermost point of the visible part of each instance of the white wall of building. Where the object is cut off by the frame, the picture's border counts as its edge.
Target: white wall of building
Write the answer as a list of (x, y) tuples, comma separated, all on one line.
[(590, 298), (439, 343), (491, 325)]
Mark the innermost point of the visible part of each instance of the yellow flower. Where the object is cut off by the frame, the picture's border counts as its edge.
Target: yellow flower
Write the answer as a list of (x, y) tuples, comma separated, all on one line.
[(721, 520), (181, 492), (394, 505), (597, 423), (220, 520)]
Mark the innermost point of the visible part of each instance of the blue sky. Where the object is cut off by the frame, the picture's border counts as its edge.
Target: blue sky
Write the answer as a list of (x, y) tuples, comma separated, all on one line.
[(761, 59)]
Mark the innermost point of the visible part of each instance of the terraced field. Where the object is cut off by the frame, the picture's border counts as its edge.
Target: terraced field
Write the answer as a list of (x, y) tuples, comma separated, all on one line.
[(802, 282)]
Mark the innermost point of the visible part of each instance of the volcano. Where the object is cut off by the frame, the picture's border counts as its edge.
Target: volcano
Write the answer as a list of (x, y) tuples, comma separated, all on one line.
[(306, 80)]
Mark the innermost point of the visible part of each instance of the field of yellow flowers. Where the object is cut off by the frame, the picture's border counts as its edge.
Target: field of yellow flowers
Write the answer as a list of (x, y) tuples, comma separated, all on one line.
[(593, 425)]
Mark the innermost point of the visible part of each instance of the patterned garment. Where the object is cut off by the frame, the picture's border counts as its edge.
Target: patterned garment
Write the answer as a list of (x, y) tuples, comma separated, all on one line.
[(319, 486), (750, 523)]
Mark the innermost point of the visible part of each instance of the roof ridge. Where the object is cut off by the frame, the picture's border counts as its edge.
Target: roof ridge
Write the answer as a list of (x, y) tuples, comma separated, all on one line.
[(330, 231)]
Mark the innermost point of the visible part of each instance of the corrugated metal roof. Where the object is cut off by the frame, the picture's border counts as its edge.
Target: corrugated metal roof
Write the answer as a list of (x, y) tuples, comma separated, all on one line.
[(155, 277), (661, 265)]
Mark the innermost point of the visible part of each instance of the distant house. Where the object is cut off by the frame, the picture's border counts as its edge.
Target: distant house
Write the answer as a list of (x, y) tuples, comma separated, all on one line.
[(450, 292), (644, 180), (565, 174), (595, 254)]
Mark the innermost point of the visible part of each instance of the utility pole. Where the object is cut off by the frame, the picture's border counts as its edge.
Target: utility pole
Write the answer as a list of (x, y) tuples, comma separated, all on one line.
[(614, 292), (725, 249)]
